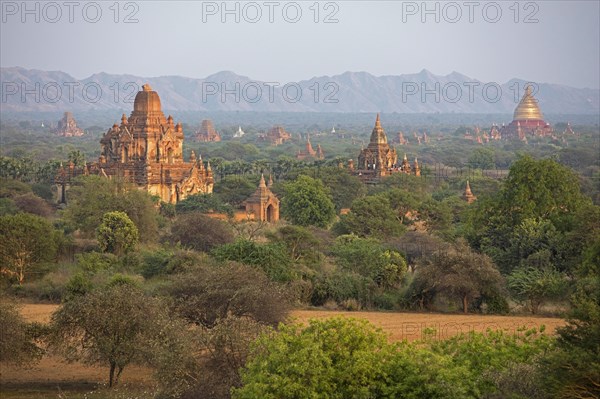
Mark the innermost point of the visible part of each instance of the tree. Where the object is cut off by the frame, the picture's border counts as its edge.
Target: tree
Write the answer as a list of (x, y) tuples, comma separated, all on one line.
[(17, 337), (209, 293), (301, 243), (573, 370), (344, 187), (117, 233), (482, 158), (116, 326), (369, 258), (200, 232), (341, 358), (459, 272), (543, 189), (203, 203), (307, 203), (233, 190), (371, 217), (539, 207), (31, 203), (25, 241), (93, 196), (536, 285), (271, 258)]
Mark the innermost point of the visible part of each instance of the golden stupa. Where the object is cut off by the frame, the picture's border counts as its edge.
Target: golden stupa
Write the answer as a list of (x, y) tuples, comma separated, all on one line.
[(527, 120), (528, 108)]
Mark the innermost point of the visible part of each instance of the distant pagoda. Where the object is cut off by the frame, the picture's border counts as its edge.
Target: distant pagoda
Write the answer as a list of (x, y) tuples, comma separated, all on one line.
[(379, 159), (67, 127), (310, 152), (468, 194), (207, 132), (527, 120)]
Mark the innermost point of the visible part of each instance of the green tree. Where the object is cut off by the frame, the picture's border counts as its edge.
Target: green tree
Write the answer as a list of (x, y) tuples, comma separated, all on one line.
[(117, 233), (371, 217), (573, 371), (271, 258), (344, 187), (233, 190), (341, 358), (25, 241), (203, 203), (17, 337), (93, 196), (482, 158), (307, 203), (459, 272), (369, 258), (543, 189), (540, 205), (114, 326), (536, 285), (490, 357), (301, 243)]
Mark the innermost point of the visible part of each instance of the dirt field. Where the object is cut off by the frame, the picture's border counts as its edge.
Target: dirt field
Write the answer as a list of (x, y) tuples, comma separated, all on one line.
[(410, 326), (52, 371)]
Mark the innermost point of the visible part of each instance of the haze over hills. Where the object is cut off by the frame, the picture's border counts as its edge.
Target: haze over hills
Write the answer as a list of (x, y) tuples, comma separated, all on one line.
[(347, 92)]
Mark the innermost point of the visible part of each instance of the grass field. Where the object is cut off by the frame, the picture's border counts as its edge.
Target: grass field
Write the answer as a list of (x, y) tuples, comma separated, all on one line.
[(52, 378)]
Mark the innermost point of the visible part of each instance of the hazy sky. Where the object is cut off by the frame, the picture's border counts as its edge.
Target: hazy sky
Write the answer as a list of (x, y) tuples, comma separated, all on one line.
[(189, 38)]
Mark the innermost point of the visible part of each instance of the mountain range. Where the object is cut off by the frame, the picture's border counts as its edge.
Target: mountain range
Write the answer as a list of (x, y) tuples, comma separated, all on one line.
[(31, 90)]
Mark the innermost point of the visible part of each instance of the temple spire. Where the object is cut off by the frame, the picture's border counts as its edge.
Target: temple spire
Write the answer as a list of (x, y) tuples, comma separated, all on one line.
[(270, 181), (468, 194), (262, 181), (377, 121)]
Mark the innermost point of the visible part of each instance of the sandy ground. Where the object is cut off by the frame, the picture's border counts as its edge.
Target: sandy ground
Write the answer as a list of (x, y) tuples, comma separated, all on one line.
[(399, 326), (410, 326)]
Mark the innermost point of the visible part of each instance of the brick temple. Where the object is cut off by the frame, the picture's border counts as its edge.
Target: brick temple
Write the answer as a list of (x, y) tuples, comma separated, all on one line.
[(207, 132), (146, 149), (67, 126), (379, 159)]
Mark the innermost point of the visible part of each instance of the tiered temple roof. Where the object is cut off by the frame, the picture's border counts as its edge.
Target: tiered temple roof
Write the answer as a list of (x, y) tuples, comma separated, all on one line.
[(207, 132), (147, 149), (67, 127)]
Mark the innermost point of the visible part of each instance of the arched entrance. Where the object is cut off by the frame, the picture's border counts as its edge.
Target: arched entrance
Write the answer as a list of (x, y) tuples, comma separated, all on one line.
[(270, 211)]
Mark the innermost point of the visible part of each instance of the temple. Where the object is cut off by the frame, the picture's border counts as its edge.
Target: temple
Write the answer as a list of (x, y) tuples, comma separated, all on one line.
[(239, 134), (207, 132), (67, 127), (310, 152), (263, 205), (379, 159), (468, 194), (147, 149), (527, 120), (276, 136)]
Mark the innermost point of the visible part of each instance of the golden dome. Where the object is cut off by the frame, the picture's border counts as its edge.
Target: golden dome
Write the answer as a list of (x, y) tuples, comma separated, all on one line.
[(528, 108), (147, 100)]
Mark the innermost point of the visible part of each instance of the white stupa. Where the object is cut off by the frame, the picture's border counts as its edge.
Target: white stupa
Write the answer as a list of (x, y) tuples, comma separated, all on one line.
[(239, 133)]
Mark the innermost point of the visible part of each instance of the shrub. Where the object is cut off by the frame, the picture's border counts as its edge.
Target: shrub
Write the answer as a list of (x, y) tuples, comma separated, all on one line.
[(200, 232)]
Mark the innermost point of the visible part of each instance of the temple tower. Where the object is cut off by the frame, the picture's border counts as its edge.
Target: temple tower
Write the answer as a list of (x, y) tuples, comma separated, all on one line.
[(263, 204)]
